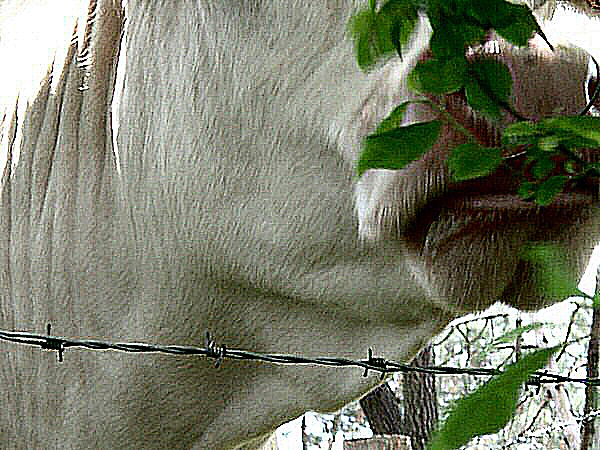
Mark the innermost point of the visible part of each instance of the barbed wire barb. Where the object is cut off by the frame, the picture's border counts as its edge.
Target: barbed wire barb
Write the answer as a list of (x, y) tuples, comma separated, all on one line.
[(381, 363), (53, 344), (216, 352)]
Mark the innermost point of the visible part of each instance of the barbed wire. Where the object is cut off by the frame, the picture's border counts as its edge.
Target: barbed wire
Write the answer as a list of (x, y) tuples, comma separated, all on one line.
[(219, 353)]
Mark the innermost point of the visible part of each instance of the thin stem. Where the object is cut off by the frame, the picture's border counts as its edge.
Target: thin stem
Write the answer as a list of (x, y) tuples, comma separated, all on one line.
[(596, 90), (450, 119)]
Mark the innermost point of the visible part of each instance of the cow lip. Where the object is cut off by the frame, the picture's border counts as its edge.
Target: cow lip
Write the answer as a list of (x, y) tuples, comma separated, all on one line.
[(498, 202), (457, 213), (494, 197), (407, 203)]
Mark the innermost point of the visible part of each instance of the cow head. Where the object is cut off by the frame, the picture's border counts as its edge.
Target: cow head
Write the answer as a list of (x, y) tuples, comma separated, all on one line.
[(440, 218), (196, 173)]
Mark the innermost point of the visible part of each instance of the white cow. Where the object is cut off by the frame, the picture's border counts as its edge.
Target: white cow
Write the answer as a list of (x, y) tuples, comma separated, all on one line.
[(225, 201)]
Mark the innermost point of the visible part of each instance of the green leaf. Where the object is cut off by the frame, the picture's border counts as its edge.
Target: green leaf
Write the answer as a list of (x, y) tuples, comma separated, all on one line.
[(548, 189), (450, 39), (582, 126), (470, 160), (521, 133), (549, 272), (526, 190), (548, 143), (398, 18), (569, 132), (490, 407), (396, 148), (572, 141), (571, 168), (380, 34), (486, 12), (593, 169), (437, 76), (361, 28), (479, 100), (488, 87), (394, 119), (515, 23), (438, 9), (542, 167)]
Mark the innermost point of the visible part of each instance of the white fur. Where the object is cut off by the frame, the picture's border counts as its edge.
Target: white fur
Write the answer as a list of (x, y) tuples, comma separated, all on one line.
[(230, 207)]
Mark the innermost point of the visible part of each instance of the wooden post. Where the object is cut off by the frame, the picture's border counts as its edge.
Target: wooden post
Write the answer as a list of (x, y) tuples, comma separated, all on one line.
[(385, 442)]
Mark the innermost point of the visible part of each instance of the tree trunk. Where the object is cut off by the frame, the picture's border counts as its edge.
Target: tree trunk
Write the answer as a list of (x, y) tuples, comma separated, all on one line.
[(304, 435), (589, 437), (420, 401), (420, 405)]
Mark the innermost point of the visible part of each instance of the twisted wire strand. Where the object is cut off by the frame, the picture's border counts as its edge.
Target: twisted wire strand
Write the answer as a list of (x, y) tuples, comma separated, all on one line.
[(219, 353)]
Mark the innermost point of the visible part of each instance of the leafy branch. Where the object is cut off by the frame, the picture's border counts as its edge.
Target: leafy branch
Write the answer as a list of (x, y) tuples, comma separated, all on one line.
[(549, 147)]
